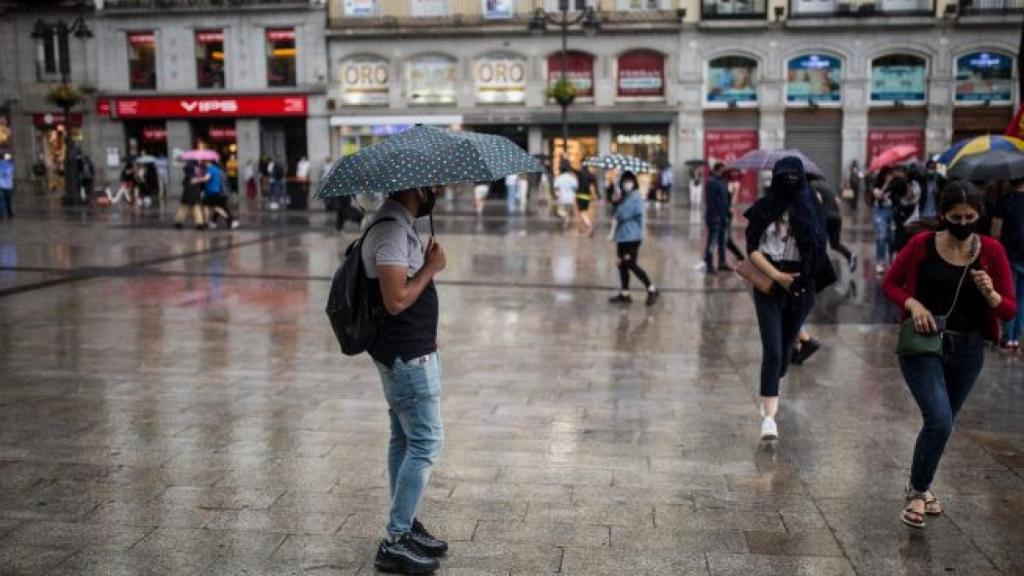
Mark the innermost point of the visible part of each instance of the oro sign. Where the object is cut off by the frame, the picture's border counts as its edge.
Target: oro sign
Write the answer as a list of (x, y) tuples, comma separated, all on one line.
[(365, 81), (500, 79)]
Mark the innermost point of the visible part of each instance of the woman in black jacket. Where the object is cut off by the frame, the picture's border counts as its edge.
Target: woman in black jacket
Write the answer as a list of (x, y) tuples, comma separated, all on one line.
[(787, 241)]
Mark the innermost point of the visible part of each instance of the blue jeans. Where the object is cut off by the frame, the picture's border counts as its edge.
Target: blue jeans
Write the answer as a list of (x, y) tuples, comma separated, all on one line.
[(413, 392), (717, 234), (883, 234), (1012, 328), (940, 386), (779, 319)]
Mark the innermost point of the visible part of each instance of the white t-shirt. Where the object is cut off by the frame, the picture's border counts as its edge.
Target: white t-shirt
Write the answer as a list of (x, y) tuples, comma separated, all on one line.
[(566, 185), (302, 170), (778, 242)]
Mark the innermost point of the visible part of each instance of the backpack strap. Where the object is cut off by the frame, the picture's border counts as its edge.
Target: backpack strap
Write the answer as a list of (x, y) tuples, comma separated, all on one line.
[(370, 227)]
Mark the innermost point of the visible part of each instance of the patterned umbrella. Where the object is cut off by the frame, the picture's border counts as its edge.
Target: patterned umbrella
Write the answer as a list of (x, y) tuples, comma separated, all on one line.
[(891, 156), (201, 154), (426, 156), (991, 165), (978, 145), (763, 160), (620, 162)]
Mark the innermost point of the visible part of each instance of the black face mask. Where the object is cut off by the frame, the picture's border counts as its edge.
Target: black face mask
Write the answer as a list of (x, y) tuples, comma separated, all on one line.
[(427, 200), (961, 231)]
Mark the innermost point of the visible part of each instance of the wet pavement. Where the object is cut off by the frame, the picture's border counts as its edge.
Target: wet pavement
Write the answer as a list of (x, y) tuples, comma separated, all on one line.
[(173, 402)]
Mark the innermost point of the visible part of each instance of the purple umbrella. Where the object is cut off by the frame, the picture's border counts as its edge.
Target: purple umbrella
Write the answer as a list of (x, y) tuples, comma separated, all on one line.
[(201, 154), (766, 159)]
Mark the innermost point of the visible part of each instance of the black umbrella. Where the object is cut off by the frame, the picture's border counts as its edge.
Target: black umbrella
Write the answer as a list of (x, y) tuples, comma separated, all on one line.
[(991, 165)]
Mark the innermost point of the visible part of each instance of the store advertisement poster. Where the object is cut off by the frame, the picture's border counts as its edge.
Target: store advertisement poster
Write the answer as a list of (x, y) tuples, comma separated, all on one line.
[(814, 78), (732, 82), (500, 80), (431, 80), (898, 83), (984, 76), (726, 146), (881, 140), (498, 9), (360, 8), (641, 75)]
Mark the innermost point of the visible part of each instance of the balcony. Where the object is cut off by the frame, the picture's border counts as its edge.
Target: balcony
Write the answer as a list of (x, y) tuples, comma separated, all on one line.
[(836, 9), (990, 7), (370, 17), (734, 10)]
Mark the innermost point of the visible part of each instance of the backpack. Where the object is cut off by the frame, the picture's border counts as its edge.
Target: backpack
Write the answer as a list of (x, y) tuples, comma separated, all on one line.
[(349, 305)]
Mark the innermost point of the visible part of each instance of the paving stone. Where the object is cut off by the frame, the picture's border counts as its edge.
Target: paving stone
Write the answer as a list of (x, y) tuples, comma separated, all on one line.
[(746, 565), (549, 534), (603, 561)]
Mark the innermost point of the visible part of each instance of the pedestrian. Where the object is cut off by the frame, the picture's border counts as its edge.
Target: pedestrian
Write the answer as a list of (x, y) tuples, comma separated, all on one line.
[(249, 174), (729, 243), (191, 198), (716, 218), (231, 175), (401, 276), (954, 283), (86, 177), (215, 200), (628, 230), (933, 182), (276, 172), (786, 240), (511, 192), (6, 186), (1008, 227), (994, 191), (566, 188), (480, 193), (151, 182), (163, 173), (126, 186), (906, 188), (696, 188), (833, 219), (882, 216), (585, 196), (665, 178), (855, 179)]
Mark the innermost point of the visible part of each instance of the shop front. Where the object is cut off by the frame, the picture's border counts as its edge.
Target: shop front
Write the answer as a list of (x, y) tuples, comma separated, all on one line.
[(648, 142), (814, 119), (895, 127), (350, 134), (727, 144), (146, 138), (984, 94), (50, 142), (731, 118), (582, 144)]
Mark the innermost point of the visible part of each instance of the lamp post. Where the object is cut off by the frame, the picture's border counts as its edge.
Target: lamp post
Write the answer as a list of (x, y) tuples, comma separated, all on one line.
[(62, 31), (591, 24)]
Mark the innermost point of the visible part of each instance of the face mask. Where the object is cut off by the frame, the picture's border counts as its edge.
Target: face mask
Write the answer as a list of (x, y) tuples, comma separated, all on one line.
[(961, 231), (427, 200), (627, 186)]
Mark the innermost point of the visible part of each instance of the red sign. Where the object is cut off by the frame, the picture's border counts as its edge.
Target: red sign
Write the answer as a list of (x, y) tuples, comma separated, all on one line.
[(103, 107), (141, 38), (726, 146), (51, 119), (210, 37), (154, 134), (641, 75), (281, 34), (881, 140), (579, 69), (222, 133), (211, 106)]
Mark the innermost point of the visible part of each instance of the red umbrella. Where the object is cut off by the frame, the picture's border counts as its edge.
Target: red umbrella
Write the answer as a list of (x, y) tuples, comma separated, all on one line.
[(892, 156)]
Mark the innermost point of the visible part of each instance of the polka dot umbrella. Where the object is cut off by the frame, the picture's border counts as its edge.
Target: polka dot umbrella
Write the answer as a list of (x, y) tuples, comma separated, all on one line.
[(620, 162), (426, 156)]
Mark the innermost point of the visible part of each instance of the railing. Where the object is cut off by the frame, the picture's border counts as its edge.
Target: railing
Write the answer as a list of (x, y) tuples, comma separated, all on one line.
[(177, 4), (480, 13), (972, 7), (734, 9), (836, 8)]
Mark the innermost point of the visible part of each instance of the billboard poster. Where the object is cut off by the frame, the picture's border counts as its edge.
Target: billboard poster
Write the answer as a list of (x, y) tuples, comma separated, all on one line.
[(814, 78)]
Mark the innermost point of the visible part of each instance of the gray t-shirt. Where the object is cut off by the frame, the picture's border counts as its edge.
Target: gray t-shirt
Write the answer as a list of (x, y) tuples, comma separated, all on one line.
[(393, 243)]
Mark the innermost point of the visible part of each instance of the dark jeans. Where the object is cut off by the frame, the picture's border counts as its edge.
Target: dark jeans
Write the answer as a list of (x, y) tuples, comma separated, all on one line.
[(628, 252), (6, 210), (835, 230), (779, 318), (940, 385), (717, 233)]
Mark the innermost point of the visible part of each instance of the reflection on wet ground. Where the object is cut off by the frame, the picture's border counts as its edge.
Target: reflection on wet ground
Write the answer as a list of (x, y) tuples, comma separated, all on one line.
[(172, 402)]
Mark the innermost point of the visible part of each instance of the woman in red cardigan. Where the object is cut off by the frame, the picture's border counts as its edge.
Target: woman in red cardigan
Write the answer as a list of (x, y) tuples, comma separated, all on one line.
[(958, 282)]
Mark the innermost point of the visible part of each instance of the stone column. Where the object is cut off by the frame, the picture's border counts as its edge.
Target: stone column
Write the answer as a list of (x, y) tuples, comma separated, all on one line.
[(604, 139), (855, 122), (179, 138)]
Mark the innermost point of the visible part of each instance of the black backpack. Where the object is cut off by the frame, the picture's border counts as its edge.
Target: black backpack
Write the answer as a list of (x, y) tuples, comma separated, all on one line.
[(350, 306)]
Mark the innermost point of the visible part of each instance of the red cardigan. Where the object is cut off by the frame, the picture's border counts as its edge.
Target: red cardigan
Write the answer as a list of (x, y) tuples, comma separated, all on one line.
[(900, 282)]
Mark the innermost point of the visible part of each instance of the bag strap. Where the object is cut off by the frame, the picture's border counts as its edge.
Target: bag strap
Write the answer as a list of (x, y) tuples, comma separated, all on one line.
[(974, 252), (372, 224)]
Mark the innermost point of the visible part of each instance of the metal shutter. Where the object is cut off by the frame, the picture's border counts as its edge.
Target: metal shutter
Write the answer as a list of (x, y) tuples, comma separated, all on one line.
[(818, 134)]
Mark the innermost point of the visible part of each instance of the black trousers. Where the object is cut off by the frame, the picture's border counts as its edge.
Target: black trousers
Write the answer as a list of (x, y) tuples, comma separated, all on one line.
[(628, 252), (779, 319), (835, 229)]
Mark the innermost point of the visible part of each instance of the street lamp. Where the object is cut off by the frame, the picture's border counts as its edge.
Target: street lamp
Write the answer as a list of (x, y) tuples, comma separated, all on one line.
[(591, 24), (62, 31)]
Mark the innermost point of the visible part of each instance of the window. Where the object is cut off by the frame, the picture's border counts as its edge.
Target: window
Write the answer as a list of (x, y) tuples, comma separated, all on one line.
[(639, 5), (210, 58), (48, 58), (899, 78), (142, 60), (281, 57), (731, 79)]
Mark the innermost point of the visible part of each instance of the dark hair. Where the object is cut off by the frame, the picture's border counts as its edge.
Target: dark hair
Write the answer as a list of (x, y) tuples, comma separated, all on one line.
[(718, 166), (628, 174), (961, 192)]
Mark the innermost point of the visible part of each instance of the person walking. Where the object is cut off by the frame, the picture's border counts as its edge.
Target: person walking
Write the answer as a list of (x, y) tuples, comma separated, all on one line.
[(882, 217), (1008, 227), (716, 218), (511, 192), (906, 200), (275, 170), (585, 195), (833, 220), (964, 276), (628, 229), (855, 179), (86, 177), (666, 179), (401, 275), (480, 192), (566, 188), (786, 241), (6, 186), (215, 200), (191, 198)]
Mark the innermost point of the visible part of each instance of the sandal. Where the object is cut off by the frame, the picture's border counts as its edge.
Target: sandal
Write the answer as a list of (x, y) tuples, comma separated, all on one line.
[(931, 504), (913, 513)]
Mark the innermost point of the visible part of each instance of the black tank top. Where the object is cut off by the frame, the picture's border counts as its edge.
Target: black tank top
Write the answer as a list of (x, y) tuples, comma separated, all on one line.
[(411, 334), (936, 288)]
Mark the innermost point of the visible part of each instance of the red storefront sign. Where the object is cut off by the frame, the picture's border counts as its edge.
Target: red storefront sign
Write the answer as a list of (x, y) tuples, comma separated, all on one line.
[(210, 37), (641, 75), (222, 133), (51, 119), (281, 34), (579, 69), (154, 134), (210, 106), (141, 38), (726, 146), (103, 107), (881, 140)]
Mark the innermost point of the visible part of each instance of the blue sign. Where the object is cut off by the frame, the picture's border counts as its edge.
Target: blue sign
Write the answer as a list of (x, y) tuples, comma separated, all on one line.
[(984, 77)]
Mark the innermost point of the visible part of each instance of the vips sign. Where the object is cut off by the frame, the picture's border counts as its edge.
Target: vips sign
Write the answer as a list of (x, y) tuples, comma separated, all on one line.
[(500, 79), (210, 107), (365, 81)]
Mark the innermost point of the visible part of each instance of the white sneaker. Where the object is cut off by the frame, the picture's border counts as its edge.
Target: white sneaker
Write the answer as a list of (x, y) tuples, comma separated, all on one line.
[(274, 206), (769, 430), (235, 224)]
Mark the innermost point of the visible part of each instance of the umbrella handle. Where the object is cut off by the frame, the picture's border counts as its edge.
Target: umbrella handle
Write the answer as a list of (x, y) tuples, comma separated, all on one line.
[(431, 216)]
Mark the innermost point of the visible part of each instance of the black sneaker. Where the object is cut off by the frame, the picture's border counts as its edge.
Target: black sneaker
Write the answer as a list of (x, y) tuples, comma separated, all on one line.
[(652, 296), (807, 349), (621, 299), (404, 557), (428, 543)]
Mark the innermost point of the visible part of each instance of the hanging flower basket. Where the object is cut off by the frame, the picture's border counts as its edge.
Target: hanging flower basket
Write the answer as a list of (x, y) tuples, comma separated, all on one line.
[(64, 96), (562, 91)]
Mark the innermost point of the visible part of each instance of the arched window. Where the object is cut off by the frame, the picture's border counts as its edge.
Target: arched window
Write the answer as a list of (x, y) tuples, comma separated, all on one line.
[(984, 77), (579, 69), (641, 74), (899, 78), (430, 79), (500, 78), (364, 80), (814, 78), (731, 79)]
